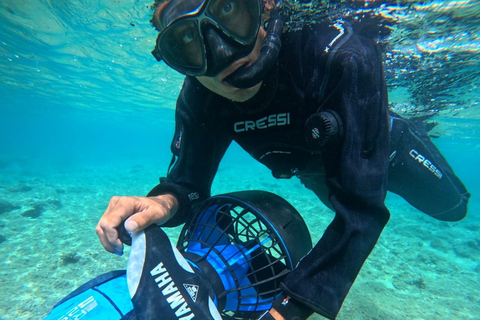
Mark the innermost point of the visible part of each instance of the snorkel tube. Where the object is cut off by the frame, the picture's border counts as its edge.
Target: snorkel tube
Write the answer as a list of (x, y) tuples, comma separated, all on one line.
[(247, 77)]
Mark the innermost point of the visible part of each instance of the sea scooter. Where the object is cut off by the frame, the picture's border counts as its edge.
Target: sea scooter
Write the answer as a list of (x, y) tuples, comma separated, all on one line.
[(228, 264)]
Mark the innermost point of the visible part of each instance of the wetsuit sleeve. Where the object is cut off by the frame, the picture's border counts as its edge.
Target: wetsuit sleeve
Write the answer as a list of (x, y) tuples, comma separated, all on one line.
[(197, 150), (356, 174)]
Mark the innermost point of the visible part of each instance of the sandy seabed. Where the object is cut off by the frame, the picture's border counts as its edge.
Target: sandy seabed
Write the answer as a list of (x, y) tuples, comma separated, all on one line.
[(420, 269)]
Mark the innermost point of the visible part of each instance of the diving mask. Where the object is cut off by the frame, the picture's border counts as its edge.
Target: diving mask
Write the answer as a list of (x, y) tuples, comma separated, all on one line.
[(202, 37)]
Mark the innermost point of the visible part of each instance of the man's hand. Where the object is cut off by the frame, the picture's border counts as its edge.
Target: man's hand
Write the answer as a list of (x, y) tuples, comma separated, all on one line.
[(137, 213)]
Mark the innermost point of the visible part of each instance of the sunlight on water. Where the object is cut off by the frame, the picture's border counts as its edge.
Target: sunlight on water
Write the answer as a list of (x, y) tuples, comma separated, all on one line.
[(91, 54), (97, 51), (432, 50)]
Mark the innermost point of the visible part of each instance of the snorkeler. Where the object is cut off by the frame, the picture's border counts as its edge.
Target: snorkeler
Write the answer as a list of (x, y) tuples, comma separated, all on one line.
[(310, 103)]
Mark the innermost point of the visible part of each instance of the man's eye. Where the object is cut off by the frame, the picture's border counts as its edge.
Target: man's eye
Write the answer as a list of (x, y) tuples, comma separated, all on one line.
[(228, 8), (188, 36)]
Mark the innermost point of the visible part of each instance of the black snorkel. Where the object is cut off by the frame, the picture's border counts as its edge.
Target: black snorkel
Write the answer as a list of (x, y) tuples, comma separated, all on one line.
[(247, 77)]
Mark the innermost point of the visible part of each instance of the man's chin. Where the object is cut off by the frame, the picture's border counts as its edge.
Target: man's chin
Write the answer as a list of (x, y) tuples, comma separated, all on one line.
[(234, 78), (242, 95), (222, 88)]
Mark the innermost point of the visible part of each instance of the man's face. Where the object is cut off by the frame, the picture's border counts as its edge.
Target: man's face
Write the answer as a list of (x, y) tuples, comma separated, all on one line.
[(217, 84), (203, 37)]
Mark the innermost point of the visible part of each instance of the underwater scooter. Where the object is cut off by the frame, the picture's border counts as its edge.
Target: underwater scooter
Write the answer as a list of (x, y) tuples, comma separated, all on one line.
[(228, 264)]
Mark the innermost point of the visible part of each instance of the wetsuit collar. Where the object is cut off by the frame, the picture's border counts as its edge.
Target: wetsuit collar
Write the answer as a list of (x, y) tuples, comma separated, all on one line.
[(261, 100)]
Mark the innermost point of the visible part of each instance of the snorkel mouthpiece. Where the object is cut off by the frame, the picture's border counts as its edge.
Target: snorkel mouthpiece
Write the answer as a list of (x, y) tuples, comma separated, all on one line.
[(221, 51), (247, 77)]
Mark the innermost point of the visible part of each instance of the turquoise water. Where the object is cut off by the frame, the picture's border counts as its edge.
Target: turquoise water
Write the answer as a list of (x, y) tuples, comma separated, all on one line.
[(87, 113)]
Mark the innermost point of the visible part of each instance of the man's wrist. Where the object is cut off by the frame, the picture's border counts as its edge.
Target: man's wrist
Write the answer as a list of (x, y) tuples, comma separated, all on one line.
[(170, 202), (182, 203)]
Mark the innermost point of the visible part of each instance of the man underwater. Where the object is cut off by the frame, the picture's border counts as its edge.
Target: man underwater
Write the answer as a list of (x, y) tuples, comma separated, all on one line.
[(310, 103)]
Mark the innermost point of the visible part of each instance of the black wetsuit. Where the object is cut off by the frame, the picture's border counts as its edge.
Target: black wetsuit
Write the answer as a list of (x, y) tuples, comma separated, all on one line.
[(318, 68)]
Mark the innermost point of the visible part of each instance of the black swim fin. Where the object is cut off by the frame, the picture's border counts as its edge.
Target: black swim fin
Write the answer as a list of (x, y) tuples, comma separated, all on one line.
[(421, 175)]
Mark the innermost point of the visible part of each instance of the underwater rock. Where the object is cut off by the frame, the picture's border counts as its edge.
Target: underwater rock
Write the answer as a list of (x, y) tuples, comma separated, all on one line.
[(477, 268), (38, 208), (6, 206), (462, 251), (468, 249), (418, 282), (406, 282), (69, 258), (20, 188), (35, 212), (2, 239), (474, 244), (440, 245), (53, 204)]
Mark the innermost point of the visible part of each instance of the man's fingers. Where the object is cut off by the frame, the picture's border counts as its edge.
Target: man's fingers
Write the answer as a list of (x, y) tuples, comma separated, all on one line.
[(143, 219), (118, 210), (131, 225), (111, 204), (137, 213), (114, 240), (105, 242)]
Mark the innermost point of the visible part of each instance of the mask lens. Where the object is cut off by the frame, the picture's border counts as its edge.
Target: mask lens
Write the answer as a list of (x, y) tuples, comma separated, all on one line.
[(240, 18), (176, 9), (182, 48), (181, 44)]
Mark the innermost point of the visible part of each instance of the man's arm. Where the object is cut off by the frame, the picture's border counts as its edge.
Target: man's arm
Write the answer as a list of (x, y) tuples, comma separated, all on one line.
[(197, 150), (197, 147), (356, 176)]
